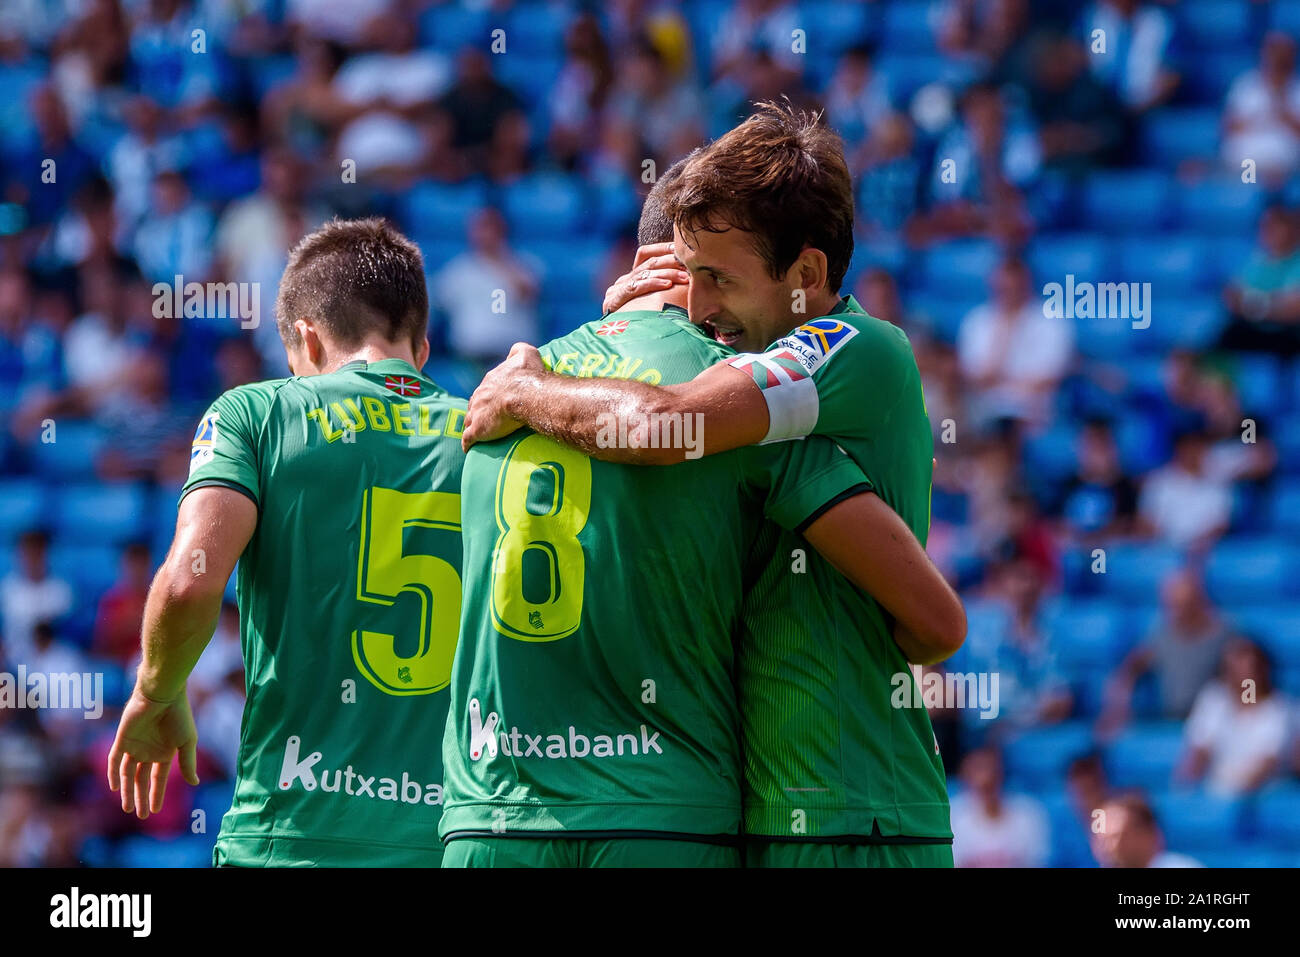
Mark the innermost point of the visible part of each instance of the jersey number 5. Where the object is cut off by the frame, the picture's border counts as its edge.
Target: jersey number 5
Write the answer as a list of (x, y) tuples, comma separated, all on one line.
[(542, 499), (385, 571)]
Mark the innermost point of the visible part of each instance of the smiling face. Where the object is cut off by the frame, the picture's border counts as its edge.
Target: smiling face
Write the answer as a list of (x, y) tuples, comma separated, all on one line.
[(733, 296)]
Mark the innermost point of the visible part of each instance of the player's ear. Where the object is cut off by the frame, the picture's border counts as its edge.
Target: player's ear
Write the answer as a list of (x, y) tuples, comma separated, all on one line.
[(422, 353), (313, 350), (810, 269)]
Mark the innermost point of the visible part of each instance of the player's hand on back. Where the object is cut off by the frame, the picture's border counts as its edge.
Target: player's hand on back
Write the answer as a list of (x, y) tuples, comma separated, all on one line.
[(149, 736), (654, 269), (488, 417)]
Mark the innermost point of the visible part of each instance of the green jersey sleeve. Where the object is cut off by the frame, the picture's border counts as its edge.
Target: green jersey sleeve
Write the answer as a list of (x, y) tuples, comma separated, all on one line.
[(224, 451), (831, 377), (802, 479)]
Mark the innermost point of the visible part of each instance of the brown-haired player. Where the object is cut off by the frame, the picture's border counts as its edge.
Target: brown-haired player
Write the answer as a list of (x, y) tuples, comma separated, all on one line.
[(841, 767)]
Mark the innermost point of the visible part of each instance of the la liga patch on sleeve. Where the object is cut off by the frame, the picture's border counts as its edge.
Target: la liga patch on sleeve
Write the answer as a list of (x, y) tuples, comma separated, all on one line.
[(204, 446)]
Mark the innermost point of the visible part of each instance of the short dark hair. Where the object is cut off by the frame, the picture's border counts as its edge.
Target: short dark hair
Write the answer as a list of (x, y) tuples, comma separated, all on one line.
[(779, 175), (355, 277), (656, 226)]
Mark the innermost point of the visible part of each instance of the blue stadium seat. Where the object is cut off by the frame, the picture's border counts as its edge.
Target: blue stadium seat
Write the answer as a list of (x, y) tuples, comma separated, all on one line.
[(545, 206), (72, 454), (95, 514), (1084, 255), (1250, 854), (1277, 816), (1261, 384), (961, 267), (1070, 846), (1123, 202), (447, 27), (1276, 625), (442, 210), (185, 851), (1214, 73), (907, 73), (458, 376), (941, 314), (1138, 438), (22, 506), (1222, 206), (1187, 322), (1286, 17), (1216, 24), (910, 26), (214, 801), (530, 76), (1228, 254), (1286, 436), (89, 569), (832, 27), (1053, 453), (1144, 755), (1134, 571), (1255, 569), (537, 28), (1091, 635), (1193, 821), (1284, 507), (1039, 756), (1172, 136), (1170, 262)]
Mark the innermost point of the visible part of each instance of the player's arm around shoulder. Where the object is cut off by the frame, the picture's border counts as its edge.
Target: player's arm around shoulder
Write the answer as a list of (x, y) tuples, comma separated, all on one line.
[(588, 413), (873, 547)]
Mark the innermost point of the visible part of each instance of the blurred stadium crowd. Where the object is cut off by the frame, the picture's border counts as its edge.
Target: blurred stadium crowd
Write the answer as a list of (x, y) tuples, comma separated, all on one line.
[(1118, 497)]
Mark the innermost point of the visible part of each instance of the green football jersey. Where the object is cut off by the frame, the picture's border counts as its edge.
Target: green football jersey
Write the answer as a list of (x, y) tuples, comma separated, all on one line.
[(826, 752), (593, 687), (349, 605)]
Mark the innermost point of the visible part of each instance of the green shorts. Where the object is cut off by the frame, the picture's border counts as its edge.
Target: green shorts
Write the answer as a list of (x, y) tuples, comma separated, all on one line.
[(586, 852), (760, 853)]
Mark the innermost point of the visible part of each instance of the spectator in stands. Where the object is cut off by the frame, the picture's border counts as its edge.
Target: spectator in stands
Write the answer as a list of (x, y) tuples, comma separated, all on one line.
[(857, 97), (30, 594), (580, 91), (1012, 352), (1130, 836), (1077, 119), (1182, 651), (1264, 298), (254, 235), (391, 88), (1031, 686), (1099, 502), (1181, 502), (654, 101), (1137, 61), (59, 663), (889, 177), (1087, 788), (101, 344), (749, 26), (148, 428), (489, 293), (1235, 454), (476, 103), (992, 828), (43, 197), (121, 609), (175, 239), (145, 150), (1239, 732), (1261, 119), (981, 168)]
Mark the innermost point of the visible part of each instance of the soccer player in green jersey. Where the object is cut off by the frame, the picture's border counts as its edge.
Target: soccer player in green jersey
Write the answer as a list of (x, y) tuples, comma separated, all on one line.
[(338, 492), (835, 774), (593, 716)]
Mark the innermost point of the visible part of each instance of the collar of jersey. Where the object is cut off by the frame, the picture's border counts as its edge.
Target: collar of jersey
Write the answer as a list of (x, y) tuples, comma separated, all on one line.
[(848, 304), (381, 365)]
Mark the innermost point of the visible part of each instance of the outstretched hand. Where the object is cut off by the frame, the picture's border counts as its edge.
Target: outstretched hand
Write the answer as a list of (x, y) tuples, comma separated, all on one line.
[(150, 735)]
